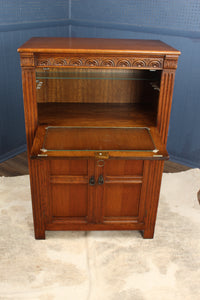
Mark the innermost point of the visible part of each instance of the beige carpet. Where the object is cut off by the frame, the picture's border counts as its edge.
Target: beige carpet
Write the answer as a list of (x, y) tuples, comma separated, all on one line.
[(102, 265)]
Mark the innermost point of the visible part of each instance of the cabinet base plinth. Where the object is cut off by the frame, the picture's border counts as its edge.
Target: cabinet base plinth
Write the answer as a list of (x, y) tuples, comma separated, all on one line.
[(146, 234)]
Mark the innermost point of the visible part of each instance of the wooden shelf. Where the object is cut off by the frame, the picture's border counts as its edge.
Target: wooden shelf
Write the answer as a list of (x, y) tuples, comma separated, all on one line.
[(98, 114)]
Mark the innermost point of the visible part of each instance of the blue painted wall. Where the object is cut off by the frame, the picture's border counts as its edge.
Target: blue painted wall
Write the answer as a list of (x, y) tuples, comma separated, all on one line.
[(19, 21), (174, 22)]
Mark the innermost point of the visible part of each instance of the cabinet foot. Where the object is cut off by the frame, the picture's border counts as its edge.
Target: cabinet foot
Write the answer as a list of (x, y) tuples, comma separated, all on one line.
[(148, 234), (40, 236)]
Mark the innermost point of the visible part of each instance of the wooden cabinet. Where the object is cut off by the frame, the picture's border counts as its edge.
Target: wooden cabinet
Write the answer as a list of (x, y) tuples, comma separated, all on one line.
[(97, 114)]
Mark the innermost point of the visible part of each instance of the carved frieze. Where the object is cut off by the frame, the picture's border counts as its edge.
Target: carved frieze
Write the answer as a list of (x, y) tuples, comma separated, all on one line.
[(124, 63), (109, 62)]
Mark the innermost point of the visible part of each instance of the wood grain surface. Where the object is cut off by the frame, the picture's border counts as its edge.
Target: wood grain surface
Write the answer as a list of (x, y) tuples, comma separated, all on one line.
[(89, 45), (98, 114)]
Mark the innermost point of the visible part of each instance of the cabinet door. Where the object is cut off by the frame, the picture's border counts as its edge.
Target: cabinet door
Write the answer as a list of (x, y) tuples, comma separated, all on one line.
[(70, 195), (120, 191)]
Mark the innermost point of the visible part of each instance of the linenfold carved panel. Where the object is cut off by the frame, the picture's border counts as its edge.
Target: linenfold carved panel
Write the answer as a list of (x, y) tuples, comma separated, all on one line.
[(110, 62)]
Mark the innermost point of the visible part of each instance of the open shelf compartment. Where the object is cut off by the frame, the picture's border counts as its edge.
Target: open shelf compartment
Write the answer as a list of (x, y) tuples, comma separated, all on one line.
[(97, 114)]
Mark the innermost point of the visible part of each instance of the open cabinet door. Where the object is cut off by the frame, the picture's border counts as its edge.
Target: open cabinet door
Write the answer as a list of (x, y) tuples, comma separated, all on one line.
[(110, 142)]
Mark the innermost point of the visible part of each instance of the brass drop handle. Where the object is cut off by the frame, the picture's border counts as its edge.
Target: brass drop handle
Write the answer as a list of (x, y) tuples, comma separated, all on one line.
[(100, 179), (92, 180)]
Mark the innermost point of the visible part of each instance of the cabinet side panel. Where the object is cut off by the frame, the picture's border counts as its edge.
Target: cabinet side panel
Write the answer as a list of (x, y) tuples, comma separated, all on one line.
[(39, 190), (152, 196), (37, 169), (144, 190)]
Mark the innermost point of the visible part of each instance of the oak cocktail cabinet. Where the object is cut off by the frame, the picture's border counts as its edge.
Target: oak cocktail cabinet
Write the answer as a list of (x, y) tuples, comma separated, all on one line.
[(97, 114)]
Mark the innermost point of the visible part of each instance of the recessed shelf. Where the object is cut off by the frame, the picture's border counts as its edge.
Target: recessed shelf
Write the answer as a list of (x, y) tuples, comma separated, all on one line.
[(96, 85), (97, 114)]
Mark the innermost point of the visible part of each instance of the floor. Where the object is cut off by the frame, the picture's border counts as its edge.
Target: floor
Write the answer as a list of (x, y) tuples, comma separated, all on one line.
[(18, 165), (116, 265)]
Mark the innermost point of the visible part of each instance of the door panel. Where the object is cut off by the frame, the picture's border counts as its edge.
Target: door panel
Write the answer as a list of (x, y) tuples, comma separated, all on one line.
[(121, 200), (123, 191), (70, 195), (69, 200), (69, 167), (122, 167), (120, 197)]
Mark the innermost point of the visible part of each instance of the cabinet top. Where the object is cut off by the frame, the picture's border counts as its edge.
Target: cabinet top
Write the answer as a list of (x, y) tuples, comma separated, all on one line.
[(96, 45)]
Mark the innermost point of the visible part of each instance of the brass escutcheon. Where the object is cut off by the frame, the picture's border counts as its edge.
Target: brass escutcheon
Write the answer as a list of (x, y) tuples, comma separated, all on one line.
[(100, 163), (101, 155)]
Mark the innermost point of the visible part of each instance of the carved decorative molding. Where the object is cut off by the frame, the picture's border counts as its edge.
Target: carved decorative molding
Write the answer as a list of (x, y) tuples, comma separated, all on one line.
[(124, 63), (27, 60), (170, 62), (109, 62), (75, 62), (141, 63)]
